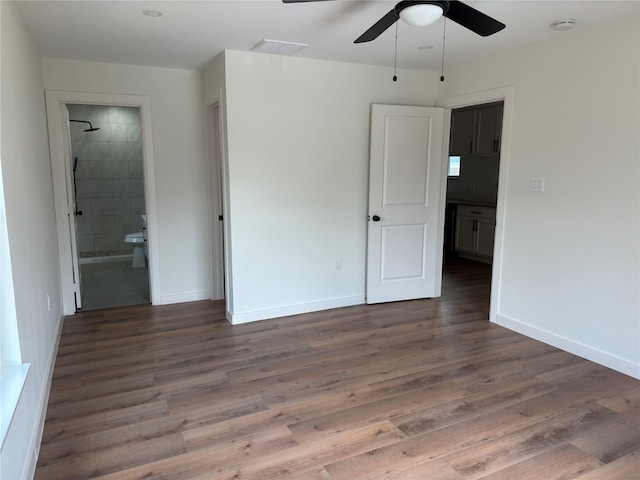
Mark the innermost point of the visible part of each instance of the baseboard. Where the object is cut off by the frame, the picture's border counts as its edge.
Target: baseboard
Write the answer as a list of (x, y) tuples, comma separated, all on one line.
[(183, 297), (105, 259), (30, 466), (580, 349), (287, 310)]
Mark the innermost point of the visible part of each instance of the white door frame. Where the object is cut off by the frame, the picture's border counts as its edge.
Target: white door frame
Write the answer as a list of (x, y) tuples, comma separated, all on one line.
[(214, 143), (220, 236), (72, 207), (55, 100), (505, 94)]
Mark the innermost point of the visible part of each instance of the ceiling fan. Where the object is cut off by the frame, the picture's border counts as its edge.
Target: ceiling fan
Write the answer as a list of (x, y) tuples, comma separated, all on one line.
[(425, 12)]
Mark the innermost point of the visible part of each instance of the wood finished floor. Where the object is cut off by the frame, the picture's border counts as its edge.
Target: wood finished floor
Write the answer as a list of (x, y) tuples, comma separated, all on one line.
[(424, 390)]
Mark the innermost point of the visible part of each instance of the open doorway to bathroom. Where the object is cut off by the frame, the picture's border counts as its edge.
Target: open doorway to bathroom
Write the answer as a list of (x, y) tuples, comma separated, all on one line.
[(110, 218)]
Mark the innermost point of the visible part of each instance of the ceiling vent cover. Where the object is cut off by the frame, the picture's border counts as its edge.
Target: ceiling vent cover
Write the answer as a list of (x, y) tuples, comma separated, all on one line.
[(277, 46)]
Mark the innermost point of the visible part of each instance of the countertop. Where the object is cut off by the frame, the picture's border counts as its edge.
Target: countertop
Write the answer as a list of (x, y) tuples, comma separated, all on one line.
[(478, 203)]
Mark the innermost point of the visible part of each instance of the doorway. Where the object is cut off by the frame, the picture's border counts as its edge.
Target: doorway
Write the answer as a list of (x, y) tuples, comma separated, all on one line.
[(472, 182), (216, 197), (110, 218), (216, 221), (82, 246), (491, 216)]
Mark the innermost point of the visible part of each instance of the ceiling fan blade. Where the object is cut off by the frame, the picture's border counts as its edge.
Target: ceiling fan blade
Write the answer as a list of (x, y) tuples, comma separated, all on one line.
[(378, 28), (473, 19)]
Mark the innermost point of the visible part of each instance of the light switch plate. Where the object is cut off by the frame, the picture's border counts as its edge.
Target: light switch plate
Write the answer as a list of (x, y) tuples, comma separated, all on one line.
[(536, 184)]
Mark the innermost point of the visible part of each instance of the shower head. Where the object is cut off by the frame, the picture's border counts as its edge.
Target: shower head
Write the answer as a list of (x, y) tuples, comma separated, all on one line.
[(91, 127)]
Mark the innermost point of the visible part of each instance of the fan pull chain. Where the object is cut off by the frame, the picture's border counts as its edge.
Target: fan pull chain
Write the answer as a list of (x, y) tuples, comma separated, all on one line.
[(444, 37), (395, 56)]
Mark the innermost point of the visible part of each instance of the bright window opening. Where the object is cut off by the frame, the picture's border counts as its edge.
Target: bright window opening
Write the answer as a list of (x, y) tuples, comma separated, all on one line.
[(13, 375), (454, 167)]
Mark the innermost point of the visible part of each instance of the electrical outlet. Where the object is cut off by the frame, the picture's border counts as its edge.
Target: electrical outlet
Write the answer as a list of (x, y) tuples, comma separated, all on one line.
[(337, 264)]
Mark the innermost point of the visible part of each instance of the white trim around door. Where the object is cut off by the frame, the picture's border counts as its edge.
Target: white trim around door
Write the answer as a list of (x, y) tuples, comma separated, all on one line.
[(219, 201), (505, 94), (55, 101), (216, 204)]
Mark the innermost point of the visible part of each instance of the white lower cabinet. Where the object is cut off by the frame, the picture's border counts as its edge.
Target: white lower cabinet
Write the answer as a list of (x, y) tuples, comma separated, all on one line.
[(475, 231)]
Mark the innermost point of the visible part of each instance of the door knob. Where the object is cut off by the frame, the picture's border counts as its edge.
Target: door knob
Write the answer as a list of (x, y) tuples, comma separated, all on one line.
[(375, 218)]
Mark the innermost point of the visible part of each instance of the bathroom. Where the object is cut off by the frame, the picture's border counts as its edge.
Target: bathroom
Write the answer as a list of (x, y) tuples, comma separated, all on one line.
[(108, 177)]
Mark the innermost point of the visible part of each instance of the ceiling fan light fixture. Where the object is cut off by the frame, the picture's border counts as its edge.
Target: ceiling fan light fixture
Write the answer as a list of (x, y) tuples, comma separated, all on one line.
[(421, 14)]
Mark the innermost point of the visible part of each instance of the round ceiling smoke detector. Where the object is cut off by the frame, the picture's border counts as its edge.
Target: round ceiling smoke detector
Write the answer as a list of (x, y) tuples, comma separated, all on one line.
[(564, 25)]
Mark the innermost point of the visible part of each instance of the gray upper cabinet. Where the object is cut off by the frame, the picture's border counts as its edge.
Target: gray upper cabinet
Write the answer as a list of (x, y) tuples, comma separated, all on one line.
[(476, 130), (463, 127), (489, 128)]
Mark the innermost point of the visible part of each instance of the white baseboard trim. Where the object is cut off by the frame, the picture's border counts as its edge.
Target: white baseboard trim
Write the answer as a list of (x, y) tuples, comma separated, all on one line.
[(585, 351), (287, 310), (183, 297), (105, 259)]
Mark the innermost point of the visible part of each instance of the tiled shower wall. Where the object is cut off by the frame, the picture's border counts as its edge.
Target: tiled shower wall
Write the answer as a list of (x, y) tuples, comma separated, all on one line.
[(109, 177)]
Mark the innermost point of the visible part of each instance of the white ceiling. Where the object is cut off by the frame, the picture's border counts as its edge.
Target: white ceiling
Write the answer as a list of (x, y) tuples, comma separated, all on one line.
[(191, 33)]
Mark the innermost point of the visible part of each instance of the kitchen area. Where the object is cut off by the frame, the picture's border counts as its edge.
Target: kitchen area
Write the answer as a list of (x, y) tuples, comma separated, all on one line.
[(472, 182)]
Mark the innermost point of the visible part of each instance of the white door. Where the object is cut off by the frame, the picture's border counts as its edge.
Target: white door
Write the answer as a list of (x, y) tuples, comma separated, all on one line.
[(72, 208), (404, 255)]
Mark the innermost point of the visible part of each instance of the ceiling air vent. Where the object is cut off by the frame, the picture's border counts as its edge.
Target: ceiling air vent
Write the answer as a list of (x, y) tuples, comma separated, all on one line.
[(277, 46)]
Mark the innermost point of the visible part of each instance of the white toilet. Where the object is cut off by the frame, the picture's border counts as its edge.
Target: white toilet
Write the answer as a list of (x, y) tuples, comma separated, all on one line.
[(137, 241)]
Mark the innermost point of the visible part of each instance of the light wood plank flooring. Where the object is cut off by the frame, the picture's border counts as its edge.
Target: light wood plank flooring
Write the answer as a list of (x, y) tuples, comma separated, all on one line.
[(424, 390)]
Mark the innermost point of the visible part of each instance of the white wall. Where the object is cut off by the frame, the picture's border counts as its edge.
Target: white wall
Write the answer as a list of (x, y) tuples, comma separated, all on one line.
[(26, 171), (214, 76), (298, 153), (571, 264), (179, 160)]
